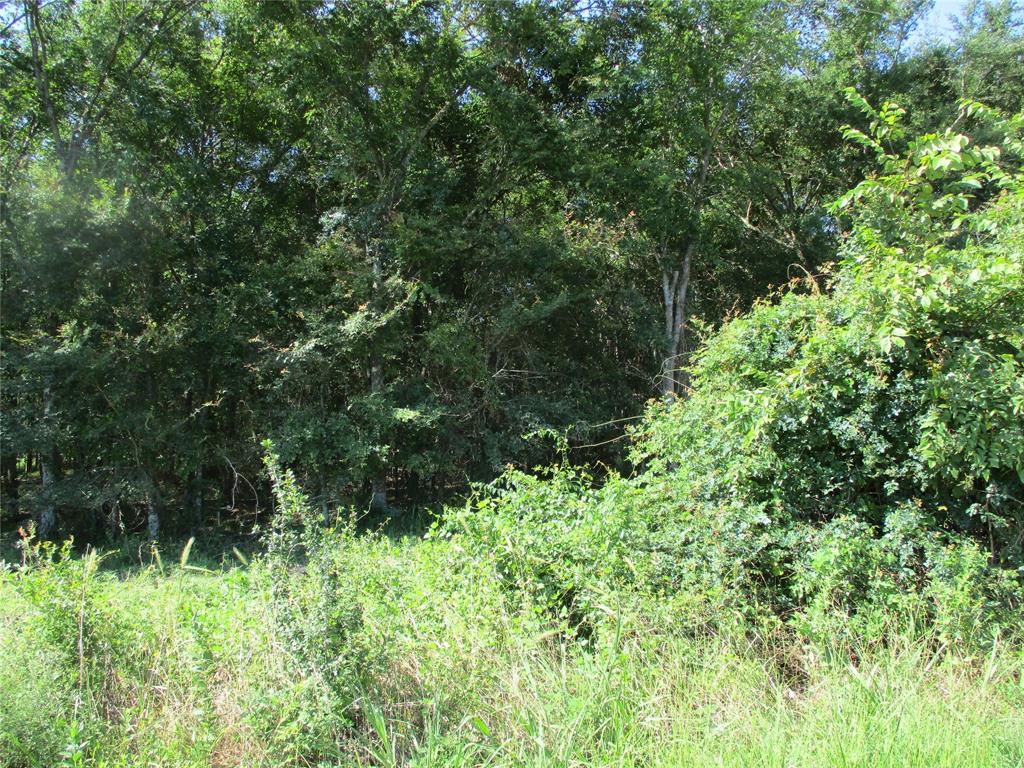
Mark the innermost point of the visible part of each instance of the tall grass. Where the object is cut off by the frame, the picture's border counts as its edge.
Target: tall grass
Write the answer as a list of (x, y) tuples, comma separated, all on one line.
[(174, 665)]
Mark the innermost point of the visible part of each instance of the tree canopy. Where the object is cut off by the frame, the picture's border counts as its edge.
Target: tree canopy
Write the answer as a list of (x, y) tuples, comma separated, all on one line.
[(409, 242)]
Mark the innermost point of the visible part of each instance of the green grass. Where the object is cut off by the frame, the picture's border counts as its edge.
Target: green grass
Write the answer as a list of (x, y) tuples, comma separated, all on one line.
[(184, 666)]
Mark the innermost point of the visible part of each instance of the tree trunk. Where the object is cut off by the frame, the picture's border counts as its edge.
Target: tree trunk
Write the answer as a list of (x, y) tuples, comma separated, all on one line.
[(152, 518), (379, 493), (675, 279), (47, 526), (412, 490), (11, 483), (197, 497), (675, 287), (193, 500), (114, 528)]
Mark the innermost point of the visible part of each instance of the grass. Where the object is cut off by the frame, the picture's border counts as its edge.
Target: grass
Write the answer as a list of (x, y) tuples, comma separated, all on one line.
[(173, 664)]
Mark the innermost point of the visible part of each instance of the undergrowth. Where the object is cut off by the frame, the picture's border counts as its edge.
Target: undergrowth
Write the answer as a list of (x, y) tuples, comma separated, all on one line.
[(817, 562), (442, 665)]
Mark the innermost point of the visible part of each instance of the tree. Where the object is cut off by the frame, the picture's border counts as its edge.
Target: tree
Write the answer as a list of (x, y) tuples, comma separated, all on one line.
[(685, 94)]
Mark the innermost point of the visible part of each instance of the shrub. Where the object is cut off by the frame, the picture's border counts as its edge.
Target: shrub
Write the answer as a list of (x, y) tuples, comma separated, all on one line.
[(852, 450)]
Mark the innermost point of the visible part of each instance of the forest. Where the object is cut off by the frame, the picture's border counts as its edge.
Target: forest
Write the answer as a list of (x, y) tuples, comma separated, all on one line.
[(511, 383)]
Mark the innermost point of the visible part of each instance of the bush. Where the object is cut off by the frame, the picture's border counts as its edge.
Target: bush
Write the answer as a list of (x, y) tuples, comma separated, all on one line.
[(900, 391), (857, 450)]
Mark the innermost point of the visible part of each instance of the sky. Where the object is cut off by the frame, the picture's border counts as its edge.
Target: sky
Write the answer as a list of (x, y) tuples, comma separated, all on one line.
[(937, 25)]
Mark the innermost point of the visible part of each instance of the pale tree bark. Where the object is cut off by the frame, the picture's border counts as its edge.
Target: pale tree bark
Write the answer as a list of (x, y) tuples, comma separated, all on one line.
[(153, 501), (39, 71), (675, 288), (391, 177), (379, 492), (69, 145), (48, 469), (82, 122), (48, 460), (152, 518), (114, 520)]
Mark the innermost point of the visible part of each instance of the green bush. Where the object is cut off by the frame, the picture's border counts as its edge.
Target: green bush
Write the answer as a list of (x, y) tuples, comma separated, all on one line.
[(899, 392), (854, 450)]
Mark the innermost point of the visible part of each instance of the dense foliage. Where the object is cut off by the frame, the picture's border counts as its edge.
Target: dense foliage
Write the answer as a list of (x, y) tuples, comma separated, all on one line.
[(709, 372), (396, 238), (851, 449), (354, 650)]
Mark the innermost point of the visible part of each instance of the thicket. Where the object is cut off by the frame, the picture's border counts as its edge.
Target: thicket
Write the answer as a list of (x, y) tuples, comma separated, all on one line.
[(849, 454), (188, 662), (396, 238), (399, 240), (817, 560)]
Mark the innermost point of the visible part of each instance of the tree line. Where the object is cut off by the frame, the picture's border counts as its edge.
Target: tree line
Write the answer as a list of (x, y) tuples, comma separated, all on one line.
[(407, 242)]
